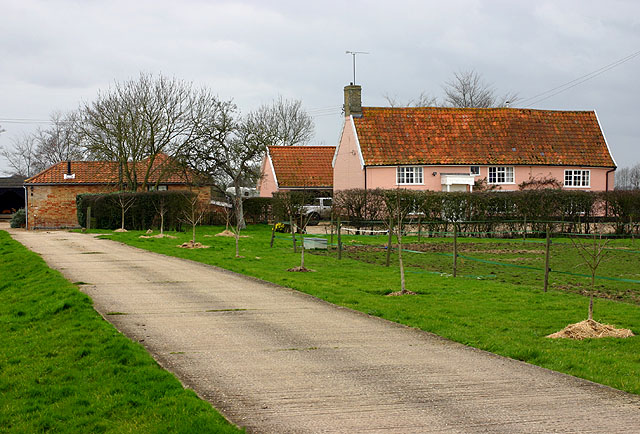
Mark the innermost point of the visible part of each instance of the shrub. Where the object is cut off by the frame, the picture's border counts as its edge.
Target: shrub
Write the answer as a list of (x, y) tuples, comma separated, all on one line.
[(19, 219)]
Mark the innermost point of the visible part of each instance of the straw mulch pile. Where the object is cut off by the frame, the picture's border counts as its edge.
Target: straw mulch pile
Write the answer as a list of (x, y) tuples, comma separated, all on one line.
[(192, 245), (590, 329), (157, 236), (227, 233), (399, 293), (301, 270)]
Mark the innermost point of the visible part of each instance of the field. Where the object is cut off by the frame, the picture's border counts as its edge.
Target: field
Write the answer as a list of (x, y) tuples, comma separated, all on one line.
[(515, 261), (489, 306), (64, 369)]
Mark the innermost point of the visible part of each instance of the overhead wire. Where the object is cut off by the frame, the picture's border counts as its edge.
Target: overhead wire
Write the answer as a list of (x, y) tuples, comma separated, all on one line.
[(575, 82)]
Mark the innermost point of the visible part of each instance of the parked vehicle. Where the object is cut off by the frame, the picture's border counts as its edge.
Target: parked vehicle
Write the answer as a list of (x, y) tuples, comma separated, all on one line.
[(319, 209)]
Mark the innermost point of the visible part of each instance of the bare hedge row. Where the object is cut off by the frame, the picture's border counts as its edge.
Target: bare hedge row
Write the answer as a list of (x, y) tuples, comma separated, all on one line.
[(485, 210)]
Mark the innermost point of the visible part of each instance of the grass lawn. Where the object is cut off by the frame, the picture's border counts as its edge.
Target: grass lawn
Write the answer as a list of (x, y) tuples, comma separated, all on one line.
[(63, 368), (506, 317)]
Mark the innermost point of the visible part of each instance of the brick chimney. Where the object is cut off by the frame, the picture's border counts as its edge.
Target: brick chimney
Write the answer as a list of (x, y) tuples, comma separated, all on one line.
[(353, 100)]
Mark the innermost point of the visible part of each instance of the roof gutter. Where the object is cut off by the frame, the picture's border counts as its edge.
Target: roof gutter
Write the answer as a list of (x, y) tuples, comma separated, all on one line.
[(606, 205), (26, 208), (607, 178), (365, 178)]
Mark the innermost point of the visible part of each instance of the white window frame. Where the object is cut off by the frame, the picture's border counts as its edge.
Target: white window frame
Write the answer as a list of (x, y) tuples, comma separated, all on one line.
[(575, 178), (415, 173), (158, 188), (507, 172), (476, 172)]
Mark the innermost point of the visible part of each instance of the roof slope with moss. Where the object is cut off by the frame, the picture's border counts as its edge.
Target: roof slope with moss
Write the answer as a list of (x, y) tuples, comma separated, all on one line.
[(461, 136), (164, 170), (302, 166)]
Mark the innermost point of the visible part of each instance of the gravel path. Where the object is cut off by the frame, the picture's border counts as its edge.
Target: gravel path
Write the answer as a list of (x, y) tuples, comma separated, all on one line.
[(277, 361)]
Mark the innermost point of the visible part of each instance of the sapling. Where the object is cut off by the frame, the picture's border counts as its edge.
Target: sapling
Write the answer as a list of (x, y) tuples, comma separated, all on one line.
[(592, 252)]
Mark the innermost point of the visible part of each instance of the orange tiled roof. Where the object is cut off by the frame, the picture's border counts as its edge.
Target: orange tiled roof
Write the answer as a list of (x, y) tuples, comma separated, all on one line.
[(303, 166), (425, 135), (106, 172)]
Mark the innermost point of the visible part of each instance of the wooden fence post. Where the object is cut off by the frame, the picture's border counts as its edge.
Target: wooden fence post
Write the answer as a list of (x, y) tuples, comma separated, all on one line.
[(331, 229), (455, 249), (273, 234), (293, 233), (546, 260), (88, 218), (339, 239), (419, 227)]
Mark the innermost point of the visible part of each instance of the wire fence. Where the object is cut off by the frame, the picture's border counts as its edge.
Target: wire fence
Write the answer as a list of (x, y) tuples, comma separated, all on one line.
[(374, 231)]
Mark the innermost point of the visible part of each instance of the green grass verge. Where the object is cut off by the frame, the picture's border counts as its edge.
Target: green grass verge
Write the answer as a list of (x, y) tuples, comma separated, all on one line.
[(504, 318), (63, 368)]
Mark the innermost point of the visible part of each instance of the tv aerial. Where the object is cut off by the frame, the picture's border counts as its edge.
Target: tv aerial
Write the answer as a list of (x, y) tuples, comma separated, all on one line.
[(353, 55)]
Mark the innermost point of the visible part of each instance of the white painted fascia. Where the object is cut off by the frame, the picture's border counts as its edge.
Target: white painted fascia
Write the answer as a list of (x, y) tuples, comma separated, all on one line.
[(273, 169), (605, 140)]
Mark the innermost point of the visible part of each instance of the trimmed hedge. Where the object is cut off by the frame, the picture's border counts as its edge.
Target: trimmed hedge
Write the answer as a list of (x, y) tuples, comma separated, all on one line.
[(106, 211), (575, 210)]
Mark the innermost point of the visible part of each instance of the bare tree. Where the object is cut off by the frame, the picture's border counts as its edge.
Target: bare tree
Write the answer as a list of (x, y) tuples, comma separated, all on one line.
[(125, 201), (136, 120), (592, 252), (160, 204), (33, 153), (634, 177), (61, 141), (422, 100), (468, 89), (398, 203), (286, 122), (622, 178), (193, 213), (21, 157), (229, 147)]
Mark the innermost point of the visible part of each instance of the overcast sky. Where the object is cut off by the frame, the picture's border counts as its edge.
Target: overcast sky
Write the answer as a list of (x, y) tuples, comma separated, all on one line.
[(56, 54)]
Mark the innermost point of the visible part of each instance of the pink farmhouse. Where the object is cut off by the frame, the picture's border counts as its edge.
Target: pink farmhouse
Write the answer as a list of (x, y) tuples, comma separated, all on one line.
[(449, 149)]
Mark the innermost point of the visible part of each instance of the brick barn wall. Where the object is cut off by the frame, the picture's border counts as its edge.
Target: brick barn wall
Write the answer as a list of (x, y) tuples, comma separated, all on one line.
[(54, 206)]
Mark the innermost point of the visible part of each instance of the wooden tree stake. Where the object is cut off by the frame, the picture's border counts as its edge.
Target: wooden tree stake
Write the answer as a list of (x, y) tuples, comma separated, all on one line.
[(546, 260)]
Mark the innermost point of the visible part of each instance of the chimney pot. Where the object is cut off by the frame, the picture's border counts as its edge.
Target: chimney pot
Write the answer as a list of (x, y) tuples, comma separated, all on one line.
[(69, 175)]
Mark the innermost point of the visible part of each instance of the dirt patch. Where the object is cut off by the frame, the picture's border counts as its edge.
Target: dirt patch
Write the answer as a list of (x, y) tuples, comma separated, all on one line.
[(590, 329), (192, 245)]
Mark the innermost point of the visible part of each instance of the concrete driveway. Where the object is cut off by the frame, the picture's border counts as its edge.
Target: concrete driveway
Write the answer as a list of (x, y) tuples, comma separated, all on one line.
[(277, 361)]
